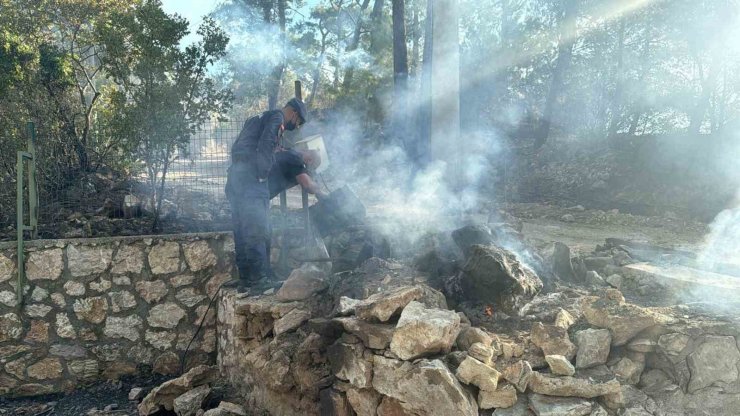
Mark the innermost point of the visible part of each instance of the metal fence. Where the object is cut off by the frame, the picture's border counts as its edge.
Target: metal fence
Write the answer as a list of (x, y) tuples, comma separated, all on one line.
[(108, 202)]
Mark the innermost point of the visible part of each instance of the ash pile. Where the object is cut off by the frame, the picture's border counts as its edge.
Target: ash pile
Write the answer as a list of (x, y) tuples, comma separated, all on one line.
[(489, 327)]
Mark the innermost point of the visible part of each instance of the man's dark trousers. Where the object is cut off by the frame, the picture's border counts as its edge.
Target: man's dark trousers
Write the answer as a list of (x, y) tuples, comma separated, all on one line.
[(250, 203)]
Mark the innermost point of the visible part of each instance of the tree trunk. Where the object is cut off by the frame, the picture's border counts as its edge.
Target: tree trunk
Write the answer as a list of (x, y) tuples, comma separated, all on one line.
[(415, 41), (317, 71), (375, 16), (353, 45), (276, 77), (707, 87), (420, 150), (400, 71), (619, 84), (567, 34)]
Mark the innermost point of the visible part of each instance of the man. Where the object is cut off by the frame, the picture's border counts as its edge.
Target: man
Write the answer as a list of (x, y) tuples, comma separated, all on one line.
[(252, 158), (292, 168)]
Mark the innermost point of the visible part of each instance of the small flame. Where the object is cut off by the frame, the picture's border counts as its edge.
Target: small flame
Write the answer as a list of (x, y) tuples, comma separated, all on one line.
[(489, 310)]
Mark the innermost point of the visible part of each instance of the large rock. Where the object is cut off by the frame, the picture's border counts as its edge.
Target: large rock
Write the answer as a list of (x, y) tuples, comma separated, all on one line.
[(291, 321), (364, 401), (199, 255), (425, 387), (518, 374), (571, 386), (421, 331), (593, 347), (559, 365), (348, 364), (302, 283), (128, 327), (502, 398), (226, 409), (495, 275), (128, 259), (334, 403), (472, 371), (164, 396), (553, 340), (166, 315), (92, 310), (382, 306), (188, 403), (375, 336), (165, 257), (714, 360), (88, 260), (470, 235), (559, 406), (44, 265), (471, 335), (558, 257), (623, 320)]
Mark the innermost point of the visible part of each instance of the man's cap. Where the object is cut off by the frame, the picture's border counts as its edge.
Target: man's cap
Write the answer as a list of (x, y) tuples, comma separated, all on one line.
[(300, 108)]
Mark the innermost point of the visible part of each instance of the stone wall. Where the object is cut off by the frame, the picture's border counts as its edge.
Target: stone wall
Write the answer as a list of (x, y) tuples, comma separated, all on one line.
[(103, 308)]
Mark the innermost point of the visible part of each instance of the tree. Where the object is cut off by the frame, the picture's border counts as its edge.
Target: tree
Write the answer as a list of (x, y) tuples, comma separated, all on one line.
[(163, 93), (400, 70)]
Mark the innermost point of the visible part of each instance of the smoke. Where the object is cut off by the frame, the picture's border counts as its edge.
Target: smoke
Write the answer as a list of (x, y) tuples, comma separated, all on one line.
[(722, 243)]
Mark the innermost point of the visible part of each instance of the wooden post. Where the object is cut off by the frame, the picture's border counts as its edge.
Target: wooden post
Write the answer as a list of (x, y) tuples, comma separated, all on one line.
[(304, 193)]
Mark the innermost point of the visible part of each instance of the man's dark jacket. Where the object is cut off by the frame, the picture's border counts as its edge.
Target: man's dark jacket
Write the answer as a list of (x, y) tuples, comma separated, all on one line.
[(256, 143)]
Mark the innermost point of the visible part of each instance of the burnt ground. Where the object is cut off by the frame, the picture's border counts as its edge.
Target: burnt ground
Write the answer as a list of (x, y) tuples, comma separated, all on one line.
[(112, 394)]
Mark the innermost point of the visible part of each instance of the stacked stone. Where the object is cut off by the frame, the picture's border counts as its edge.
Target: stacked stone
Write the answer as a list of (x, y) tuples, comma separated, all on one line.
[(101, 308)]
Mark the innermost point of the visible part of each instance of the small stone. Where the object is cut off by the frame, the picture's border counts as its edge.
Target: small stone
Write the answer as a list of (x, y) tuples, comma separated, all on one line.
[(347, 305), (160, 340), (166, 315), (571, 386), (673, 344), (167, 364), (64, 326), (714, 360), (7, 269), (74, 288), (568, 218), (128, 327), (92, 310), (614, 281), (67, 351), (189, 297), (190, 402), (502, 398), (84, 370), (642, 345), (48, 368), (291, 321), (58, 300), (375, 336), (10, 327), (363, 401), (164, 257), (44, 265), (623, 320), (471, 335), (628, 371), (227, 409), (128, 259), (199, 255), (481, 352), (382, 306), (553, 340), (136, 394), (215, 283), (594, 279), (122, 281), (151, 291), (472, 371), (38, 294), (39, 332), (117, 369), (593, 347), (122, 300), (101, 285), (348, 363), (421, 331), (8, 299), (37, 310), (560, 365), (182, 280), (564, 319)]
